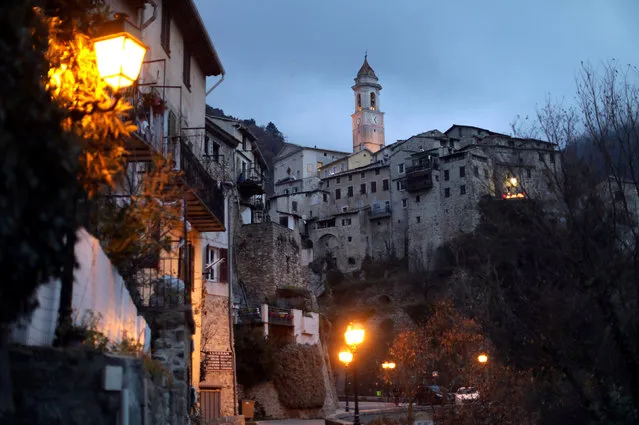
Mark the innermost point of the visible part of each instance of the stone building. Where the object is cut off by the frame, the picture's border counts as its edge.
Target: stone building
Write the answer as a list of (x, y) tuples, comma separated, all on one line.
[(404, 200)]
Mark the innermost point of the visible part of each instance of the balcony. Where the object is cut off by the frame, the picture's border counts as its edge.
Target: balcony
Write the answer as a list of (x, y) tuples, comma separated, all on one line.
[(204, 198), (163, 286), (148, 115), (250, 182), (280, 316), (379, 211), (419, 178), (249, 316), (254, 202)]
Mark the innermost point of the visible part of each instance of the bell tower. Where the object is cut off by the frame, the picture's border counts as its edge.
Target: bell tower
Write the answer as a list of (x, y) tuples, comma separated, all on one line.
[(368, 120)]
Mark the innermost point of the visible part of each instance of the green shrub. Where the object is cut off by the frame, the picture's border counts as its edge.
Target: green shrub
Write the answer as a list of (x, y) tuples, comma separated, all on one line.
[(298, 377)]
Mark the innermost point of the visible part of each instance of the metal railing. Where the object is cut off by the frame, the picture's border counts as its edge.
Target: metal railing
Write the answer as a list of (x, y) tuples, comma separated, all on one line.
[(205, 187), (164, 287), (280, 316), (249, 315), (379, 210)]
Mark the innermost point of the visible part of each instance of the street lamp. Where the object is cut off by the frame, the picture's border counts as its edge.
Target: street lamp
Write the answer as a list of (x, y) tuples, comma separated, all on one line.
[(354, 336), (346, 357), (389, 367), (482, 358), (119, 52)]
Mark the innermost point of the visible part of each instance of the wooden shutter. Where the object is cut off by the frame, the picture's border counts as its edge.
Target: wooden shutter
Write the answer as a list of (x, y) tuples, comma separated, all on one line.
[(224, 266), (211, 404)]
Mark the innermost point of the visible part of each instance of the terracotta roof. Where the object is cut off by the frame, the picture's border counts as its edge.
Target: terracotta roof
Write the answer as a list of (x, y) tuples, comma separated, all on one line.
[(366, 70)]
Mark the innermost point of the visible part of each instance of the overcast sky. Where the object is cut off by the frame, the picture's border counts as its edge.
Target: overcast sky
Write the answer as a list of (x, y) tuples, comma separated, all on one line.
[(440, 62)]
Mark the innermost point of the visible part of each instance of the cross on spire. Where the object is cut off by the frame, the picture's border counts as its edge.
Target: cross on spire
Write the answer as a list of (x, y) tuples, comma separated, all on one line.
[(365, 54)]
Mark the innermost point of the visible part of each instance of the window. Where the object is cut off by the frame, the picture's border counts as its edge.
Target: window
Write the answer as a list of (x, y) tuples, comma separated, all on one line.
[(295, 189), (401, 185), (541, 156), (362, 189), (377, 171), (446, 175), (350, 239), (447, 193), (216, 152), (363, 174), (350, 191), (528, 173), (294, 206), (338, 193), (373, 187), (462, 171), (186, 68), (224, 265), (328, 184), (372, 101), (287, 191), (325, 197), (350, 177), (419, 219), (209, 271), (476, 171), (288, 264), (404, 203), (346, 222), (486, 174), (338, 180), (359, 101), (400, 168), (320, 164), (417, 199), (552, 157), (165, 31), (333, 170), (385, 184), (284, 220), (462, 189)]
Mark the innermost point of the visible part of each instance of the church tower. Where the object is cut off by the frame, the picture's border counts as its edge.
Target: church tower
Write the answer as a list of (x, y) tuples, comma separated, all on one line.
[(368, 121)]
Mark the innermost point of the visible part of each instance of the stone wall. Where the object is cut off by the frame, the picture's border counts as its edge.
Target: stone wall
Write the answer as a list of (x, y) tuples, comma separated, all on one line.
[(216, 337), (268, 256), (172, 345), (67, 387)]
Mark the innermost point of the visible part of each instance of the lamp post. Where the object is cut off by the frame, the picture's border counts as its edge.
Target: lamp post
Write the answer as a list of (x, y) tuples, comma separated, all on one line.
[(119, 52), (346, 357), (483, 360), (388, 368), (354, 336)]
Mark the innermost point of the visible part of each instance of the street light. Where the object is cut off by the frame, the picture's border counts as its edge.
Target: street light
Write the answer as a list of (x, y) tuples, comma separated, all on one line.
[(389, 367), (119, 52), (346, 357), (354, 336), (482, 358)]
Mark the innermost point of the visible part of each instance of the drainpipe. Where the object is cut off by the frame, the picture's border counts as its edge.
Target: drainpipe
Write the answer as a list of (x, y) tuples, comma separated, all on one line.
[(216, 84), (153, 17)]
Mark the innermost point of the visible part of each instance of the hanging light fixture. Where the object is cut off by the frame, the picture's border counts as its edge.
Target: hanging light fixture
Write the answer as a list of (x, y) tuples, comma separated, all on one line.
[(119, 52)]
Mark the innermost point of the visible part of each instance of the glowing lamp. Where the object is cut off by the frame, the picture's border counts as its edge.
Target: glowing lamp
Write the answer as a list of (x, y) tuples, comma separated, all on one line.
[(482, 358), (354, 335), (119, 52), (345, 357), (388, 365), (513, 181)]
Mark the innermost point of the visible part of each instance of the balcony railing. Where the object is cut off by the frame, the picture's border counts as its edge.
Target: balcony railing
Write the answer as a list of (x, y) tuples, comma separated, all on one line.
[(251, 181), (249, 315), (164, 287), (379, 211), (419, 178), (148, 115), (280, 316), (205, 200)]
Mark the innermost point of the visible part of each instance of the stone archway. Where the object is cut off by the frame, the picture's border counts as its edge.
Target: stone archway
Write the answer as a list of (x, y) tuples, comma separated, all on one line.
[(327, 246)]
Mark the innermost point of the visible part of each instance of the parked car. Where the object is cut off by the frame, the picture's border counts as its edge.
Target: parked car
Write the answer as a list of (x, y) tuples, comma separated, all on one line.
[(430, 395), (466, 394)]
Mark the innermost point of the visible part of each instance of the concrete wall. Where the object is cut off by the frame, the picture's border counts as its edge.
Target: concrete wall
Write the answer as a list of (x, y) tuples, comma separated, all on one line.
[(53, 386), (97, 288)]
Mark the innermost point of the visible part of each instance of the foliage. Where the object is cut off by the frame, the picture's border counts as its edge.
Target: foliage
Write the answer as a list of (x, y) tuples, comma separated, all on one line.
[(156, 370), (298, 377), (447, 342), (76, 86), (555, 283), (255, 356), (134, 226), (38, 164)]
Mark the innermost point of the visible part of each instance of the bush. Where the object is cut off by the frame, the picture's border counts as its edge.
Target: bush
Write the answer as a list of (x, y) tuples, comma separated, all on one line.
[(298, 377), (255, 356)]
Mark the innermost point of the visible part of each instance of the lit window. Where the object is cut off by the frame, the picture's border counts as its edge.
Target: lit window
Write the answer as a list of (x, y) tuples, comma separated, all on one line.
[(372, 101)]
